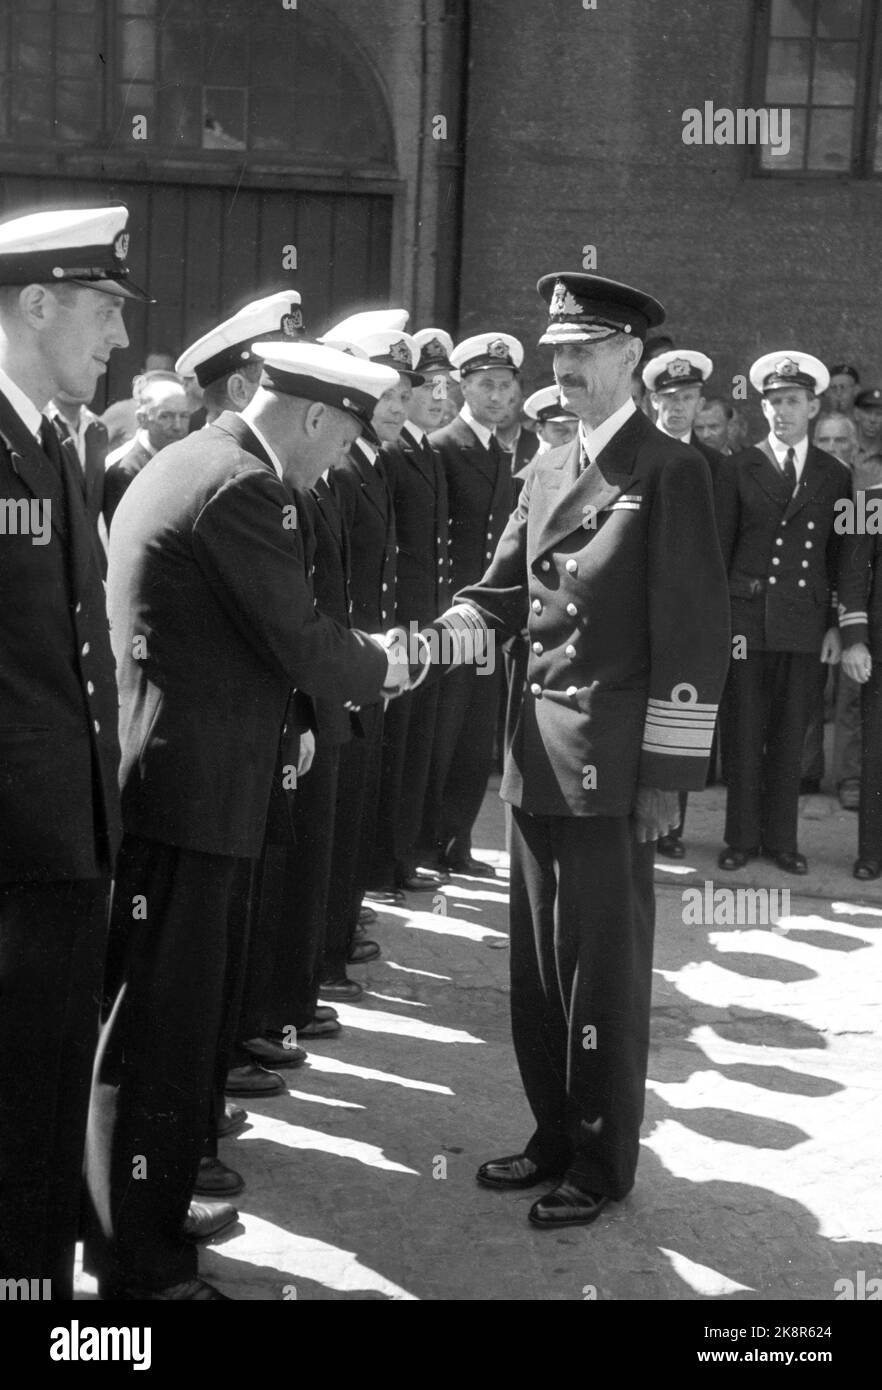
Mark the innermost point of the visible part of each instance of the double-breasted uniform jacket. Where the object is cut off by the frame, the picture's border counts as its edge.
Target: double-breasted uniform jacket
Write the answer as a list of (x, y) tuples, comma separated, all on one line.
[(326, 548), (59, 754), (119, 476), (616, 573), (781, 552), (213, 624), (369, 518), (480, 497), (860, 585), (418, 487)]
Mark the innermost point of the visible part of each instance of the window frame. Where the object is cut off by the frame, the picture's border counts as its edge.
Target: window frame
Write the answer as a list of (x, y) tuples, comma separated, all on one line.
[(867, 77)]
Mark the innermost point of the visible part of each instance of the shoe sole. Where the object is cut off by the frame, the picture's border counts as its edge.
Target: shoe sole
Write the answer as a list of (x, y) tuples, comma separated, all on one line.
[(219, 1194), (268, 1091), (204, 1240), (561, 1225)]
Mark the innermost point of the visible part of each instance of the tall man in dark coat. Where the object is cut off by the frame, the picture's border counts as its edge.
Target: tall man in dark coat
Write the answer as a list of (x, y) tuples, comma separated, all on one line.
[(612, 563), (213, 624), (480, 494), (775, 513), (675, 383), (59, 805)]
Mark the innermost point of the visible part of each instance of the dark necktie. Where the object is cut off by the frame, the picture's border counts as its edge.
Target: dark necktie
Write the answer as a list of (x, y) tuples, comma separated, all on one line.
[(51, 445), (789, 469)]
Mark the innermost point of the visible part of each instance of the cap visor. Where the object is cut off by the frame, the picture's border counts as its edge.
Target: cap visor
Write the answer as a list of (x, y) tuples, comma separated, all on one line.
[(126, 288), (575, 333)]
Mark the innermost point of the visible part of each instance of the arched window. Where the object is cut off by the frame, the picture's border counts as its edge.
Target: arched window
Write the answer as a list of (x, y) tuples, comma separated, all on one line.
[(207, 79)]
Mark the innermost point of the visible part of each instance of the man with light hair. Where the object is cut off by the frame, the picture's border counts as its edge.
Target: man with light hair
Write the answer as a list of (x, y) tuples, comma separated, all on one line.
[(163, 416)]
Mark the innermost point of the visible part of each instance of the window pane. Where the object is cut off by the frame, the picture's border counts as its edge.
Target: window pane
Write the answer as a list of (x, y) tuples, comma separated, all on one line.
[(5, 127), (137, 52), (80, 7), (787, 79), (180, 117), (839, 19), (833, 83), (181, 53), (223, 118), (271, 124), (135, 99), (225, 55), (33, 58), (77, 110), (791, 18), (830, 141), (145, 7), (75, 33), (780, 163), (32, 110), (33, 29)]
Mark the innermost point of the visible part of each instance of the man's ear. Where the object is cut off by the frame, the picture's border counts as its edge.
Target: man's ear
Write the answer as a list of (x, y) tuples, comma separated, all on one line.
[(37, 305), (814, 407), (237, 390), (313, 420), (142, 415)]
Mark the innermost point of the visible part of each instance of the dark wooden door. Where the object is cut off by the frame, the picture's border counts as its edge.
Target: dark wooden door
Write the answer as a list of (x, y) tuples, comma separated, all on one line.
[(202, 252)]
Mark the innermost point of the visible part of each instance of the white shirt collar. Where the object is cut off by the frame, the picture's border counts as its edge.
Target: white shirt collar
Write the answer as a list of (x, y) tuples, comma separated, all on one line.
[(268, 449), (779, 449), (484, 435), (22, 404), (143, 438), (370, 453), (683, 438), (416, 433), (593, 441)]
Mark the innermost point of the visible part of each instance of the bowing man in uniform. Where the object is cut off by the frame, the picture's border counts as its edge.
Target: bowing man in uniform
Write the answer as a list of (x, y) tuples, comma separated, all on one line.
[(418, 487), (675, 382), (775, 512), (611, 561), (480, 496), (213, 624), (63, 284)]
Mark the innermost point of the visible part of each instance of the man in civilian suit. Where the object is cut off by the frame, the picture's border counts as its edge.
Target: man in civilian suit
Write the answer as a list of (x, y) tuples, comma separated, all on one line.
[(611, 561), (480, 494), (59, 752), (213, 624), (775, 514), (675, 382), (163, 418)]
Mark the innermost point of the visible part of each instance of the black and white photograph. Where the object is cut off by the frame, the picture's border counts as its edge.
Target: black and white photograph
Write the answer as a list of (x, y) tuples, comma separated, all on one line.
[(441, 665)]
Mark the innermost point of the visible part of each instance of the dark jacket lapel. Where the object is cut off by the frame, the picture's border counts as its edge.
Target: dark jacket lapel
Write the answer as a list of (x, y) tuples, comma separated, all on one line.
[(813, 474), (595, 489), (31, 464), (767, 473)]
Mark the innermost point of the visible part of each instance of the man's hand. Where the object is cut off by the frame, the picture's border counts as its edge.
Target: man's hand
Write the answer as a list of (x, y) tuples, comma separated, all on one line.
[(394, 645), (857, 662), (831, 647), (306, 752), (655, 813)]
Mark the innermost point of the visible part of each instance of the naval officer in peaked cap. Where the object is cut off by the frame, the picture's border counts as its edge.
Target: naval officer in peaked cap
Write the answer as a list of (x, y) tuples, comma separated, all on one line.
[(213, 625), (776, 510), (611, 562), (223, 360), (64, 280)]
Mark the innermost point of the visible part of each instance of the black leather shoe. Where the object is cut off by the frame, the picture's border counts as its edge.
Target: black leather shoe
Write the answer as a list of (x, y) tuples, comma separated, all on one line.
[(514, 1171), (275, 1054), (567, 1205), (253, 1081), (350, 990), (474, 868), (788, 861), (670, 847), (194, 1291), (205, 1220), (233, 1119), (867, 868), (734, 858), (325, 1014), (362, 951), (215, 1179), (386, 897), (420, 881), (366, 915), (321, 1028)]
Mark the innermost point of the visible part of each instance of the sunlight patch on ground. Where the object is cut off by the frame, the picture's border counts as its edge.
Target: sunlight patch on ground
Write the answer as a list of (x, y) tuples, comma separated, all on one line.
[(378, 1021), (299, 1257), (290, 1136), (334, 1065), (446, 925), (392, 999), (430, 974), (700, 1278)]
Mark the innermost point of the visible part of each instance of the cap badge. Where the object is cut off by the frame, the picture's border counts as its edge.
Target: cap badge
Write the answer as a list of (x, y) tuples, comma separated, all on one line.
[(400, 352), (787, 367), (433, 348), (497, 348), (679, 367), (291, 323), (121, 246), (563, 302)]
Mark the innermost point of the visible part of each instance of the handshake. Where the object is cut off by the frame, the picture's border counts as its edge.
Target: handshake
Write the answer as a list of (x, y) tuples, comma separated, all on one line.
[(408, 659)]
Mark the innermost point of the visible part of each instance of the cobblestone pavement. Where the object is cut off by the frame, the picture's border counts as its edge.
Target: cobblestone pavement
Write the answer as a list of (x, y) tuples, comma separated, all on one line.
[(759, 1175)]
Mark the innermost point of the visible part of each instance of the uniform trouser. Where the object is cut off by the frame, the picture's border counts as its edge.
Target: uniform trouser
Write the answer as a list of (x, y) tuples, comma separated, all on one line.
[(870, 816), (52, 943), (408, 736), (462, 759), (582, 926), (771, 699), (155, 1071), (297, 897), (847, 731), (358, 788)]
